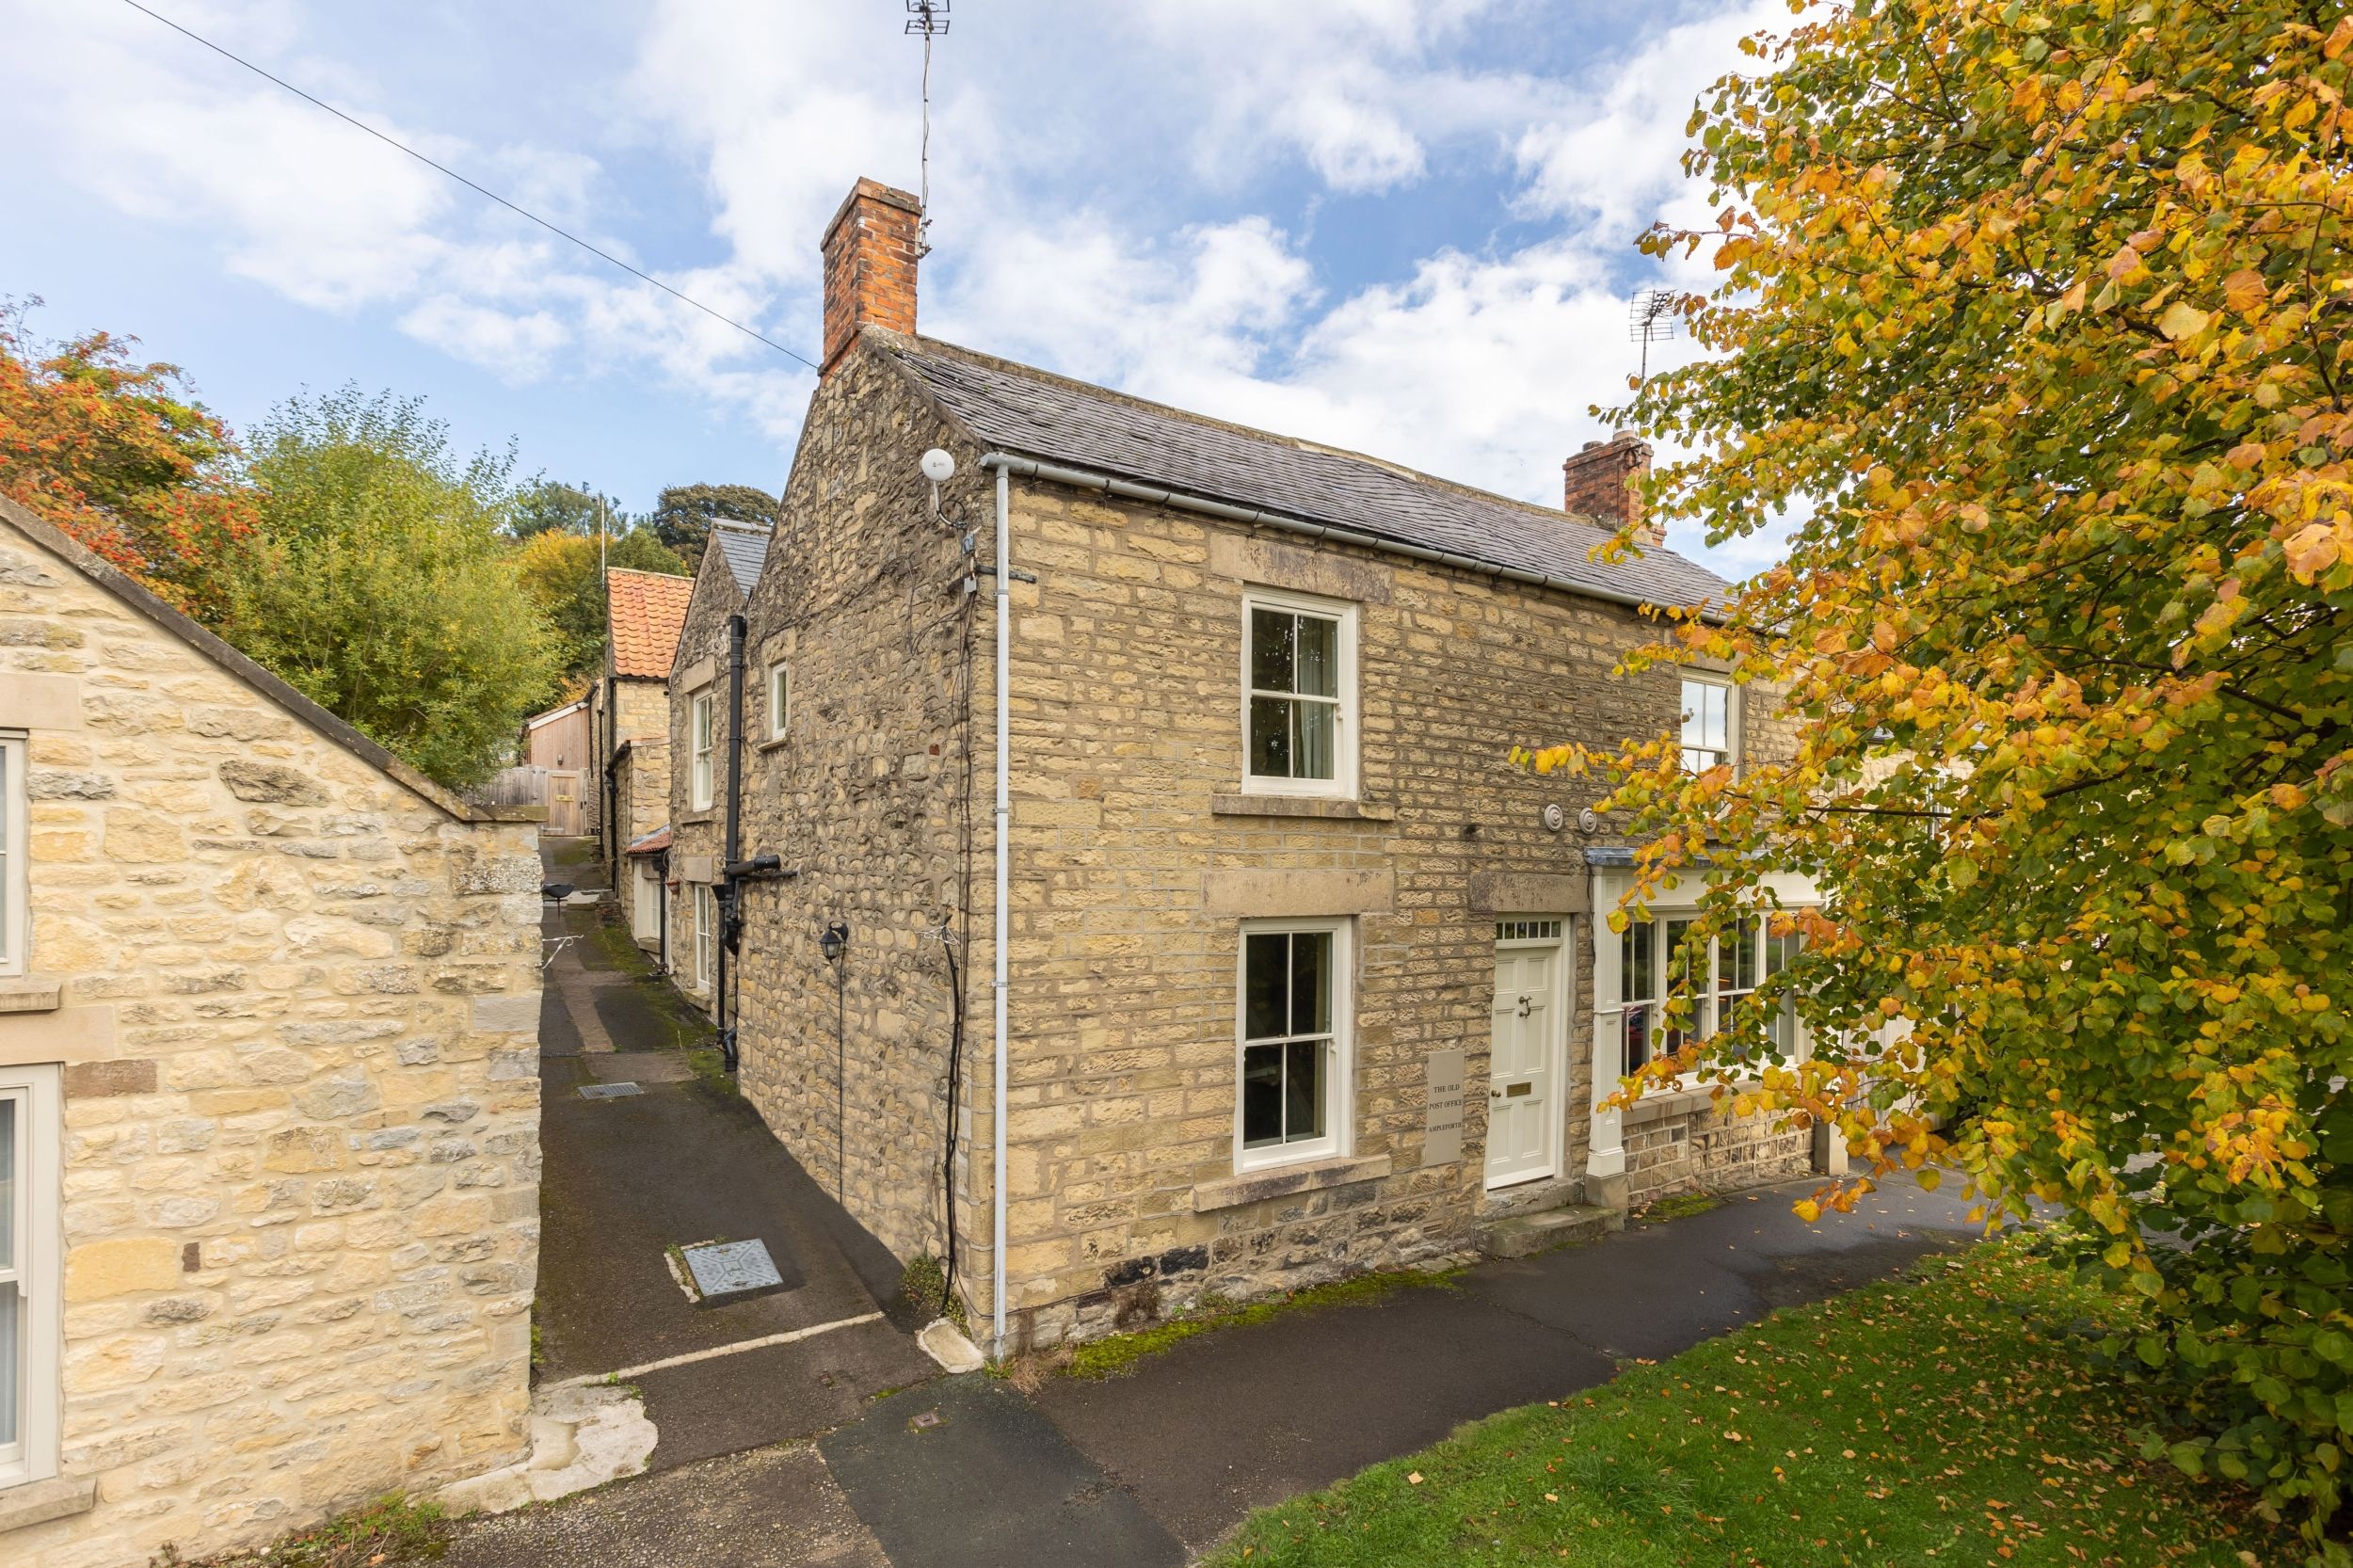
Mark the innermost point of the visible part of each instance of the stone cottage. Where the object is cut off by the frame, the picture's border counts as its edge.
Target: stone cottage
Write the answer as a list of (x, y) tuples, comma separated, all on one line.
[(268, 1092), (1145, 904), (628, 706), (708, 686)]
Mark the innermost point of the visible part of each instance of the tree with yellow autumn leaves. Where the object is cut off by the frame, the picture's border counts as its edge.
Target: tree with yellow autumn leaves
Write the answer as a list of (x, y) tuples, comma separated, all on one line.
[(2033, 318)]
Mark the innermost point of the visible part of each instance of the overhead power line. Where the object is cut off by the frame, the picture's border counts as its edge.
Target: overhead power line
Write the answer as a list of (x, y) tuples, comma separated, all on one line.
[(444, 168)]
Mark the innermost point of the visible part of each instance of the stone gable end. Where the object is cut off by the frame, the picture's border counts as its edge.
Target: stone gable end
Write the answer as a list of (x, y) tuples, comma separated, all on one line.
[(296, 1009)]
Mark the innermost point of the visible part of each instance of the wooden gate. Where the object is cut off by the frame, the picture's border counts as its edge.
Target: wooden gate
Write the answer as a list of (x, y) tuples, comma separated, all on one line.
[(564, 820)]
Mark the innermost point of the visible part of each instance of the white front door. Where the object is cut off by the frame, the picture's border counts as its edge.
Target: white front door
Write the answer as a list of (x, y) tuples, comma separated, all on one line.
[(1523, 1097)]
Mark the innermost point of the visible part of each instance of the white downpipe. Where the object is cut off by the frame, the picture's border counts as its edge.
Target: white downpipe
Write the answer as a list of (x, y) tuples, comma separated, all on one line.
[(1001, 921)]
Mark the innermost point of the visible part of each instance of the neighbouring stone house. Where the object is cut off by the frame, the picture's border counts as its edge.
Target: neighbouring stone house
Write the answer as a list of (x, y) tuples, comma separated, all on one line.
[(1301, 975), (268, 1092), (702, 734), (628, 706)]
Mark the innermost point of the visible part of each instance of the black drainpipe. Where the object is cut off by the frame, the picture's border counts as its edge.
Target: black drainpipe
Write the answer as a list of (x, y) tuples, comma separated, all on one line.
[(612, 788), (730, 920)]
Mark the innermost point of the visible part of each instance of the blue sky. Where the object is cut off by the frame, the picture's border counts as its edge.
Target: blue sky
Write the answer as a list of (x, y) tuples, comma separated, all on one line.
[(1402, 225)]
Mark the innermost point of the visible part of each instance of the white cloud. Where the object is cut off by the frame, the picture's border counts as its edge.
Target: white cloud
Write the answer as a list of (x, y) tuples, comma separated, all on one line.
[(1087, 161)]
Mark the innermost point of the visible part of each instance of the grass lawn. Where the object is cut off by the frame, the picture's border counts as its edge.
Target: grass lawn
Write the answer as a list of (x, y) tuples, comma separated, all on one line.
[(1943, 1417)]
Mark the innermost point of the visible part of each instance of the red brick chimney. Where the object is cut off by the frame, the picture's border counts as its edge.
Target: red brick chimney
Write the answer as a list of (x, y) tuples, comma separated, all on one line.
[(870, 249), (1601, 480)]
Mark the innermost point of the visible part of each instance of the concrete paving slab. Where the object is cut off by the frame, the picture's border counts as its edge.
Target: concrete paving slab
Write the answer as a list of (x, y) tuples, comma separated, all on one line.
[(762, 1396), (964, 1473), (776, 1507), (643, 1067), (1242, 1418)]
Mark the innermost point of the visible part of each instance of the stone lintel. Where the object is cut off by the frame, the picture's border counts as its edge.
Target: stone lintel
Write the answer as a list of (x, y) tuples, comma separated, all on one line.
[(1530, 893), (1306, 571), (1253, 895), (1283, 1181), (40, 701), (67, 1035)]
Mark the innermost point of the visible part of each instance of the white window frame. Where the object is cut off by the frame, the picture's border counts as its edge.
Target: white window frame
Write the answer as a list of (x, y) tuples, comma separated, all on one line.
[(1713, 998), (1342, 784), (780, 699), (15, 902), (706, 935), (702, 730), (1339, 1062), (37, 1272), (1700, 759)]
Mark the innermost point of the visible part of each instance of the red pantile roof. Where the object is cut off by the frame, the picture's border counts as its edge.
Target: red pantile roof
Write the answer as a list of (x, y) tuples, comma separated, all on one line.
[(649, 611)]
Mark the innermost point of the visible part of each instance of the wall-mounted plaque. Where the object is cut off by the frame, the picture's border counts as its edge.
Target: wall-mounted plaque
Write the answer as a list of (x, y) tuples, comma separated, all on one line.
[(1442, 1131)]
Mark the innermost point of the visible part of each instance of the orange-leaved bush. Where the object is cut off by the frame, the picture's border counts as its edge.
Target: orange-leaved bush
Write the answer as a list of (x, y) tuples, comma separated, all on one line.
[(2033, 320), (119, 455)]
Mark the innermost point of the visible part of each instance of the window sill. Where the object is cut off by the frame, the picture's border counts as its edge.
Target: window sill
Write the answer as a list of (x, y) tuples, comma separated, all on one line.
[(38, 1502), (1661, 1104), (695, 819), (771, 743), (1300, 805), (1281, 1181), (31, 993)]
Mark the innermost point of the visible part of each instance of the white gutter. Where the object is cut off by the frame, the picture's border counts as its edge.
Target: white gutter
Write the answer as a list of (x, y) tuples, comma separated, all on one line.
[(1080, 478), (997, 940)]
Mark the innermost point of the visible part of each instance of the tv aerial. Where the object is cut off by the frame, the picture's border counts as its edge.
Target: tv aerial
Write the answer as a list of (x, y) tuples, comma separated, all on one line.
[(1654, 315), (926, 20)]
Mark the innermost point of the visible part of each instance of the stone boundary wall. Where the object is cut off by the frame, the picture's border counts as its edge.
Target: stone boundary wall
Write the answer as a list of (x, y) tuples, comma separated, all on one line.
[(299, 1006)]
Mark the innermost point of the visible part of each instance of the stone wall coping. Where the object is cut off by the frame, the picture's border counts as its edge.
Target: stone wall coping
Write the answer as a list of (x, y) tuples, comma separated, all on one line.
[(32, 993), (38, 1502), (1300, 805), (121, 585), (1284, 1180)]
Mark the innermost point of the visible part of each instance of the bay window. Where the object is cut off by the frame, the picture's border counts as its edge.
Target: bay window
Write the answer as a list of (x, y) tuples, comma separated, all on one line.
[(1661, 960)]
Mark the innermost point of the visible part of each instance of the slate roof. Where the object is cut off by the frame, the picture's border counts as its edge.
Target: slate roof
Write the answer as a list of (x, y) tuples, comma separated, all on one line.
[(744, 550), (647, 611), (1032, 413)]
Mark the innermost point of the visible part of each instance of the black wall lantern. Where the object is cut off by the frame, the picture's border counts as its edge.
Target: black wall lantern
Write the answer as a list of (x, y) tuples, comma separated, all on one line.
[(836, 936)]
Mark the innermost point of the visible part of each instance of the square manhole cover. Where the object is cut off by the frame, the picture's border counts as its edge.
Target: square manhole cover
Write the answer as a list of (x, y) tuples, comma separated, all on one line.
[(731, 1269), (608, 1091)]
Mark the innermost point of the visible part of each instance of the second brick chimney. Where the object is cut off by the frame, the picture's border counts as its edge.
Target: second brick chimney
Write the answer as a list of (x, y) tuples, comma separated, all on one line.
[(871, 248), (1600, 484)]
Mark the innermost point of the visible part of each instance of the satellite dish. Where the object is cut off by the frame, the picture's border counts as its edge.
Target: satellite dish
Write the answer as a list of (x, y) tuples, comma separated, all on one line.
[(938, 467)]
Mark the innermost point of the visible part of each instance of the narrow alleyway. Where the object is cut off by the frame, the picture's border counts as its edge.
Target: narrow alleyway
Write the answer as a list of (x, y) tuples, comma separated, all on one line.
[(631, 1179), (835, 1443)]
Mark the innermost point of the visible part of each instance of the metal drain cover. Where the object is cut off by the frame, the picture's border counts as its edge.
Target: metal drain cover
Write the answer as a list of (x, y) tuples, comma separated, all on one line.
[(731, 1269), (608, 1091)]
